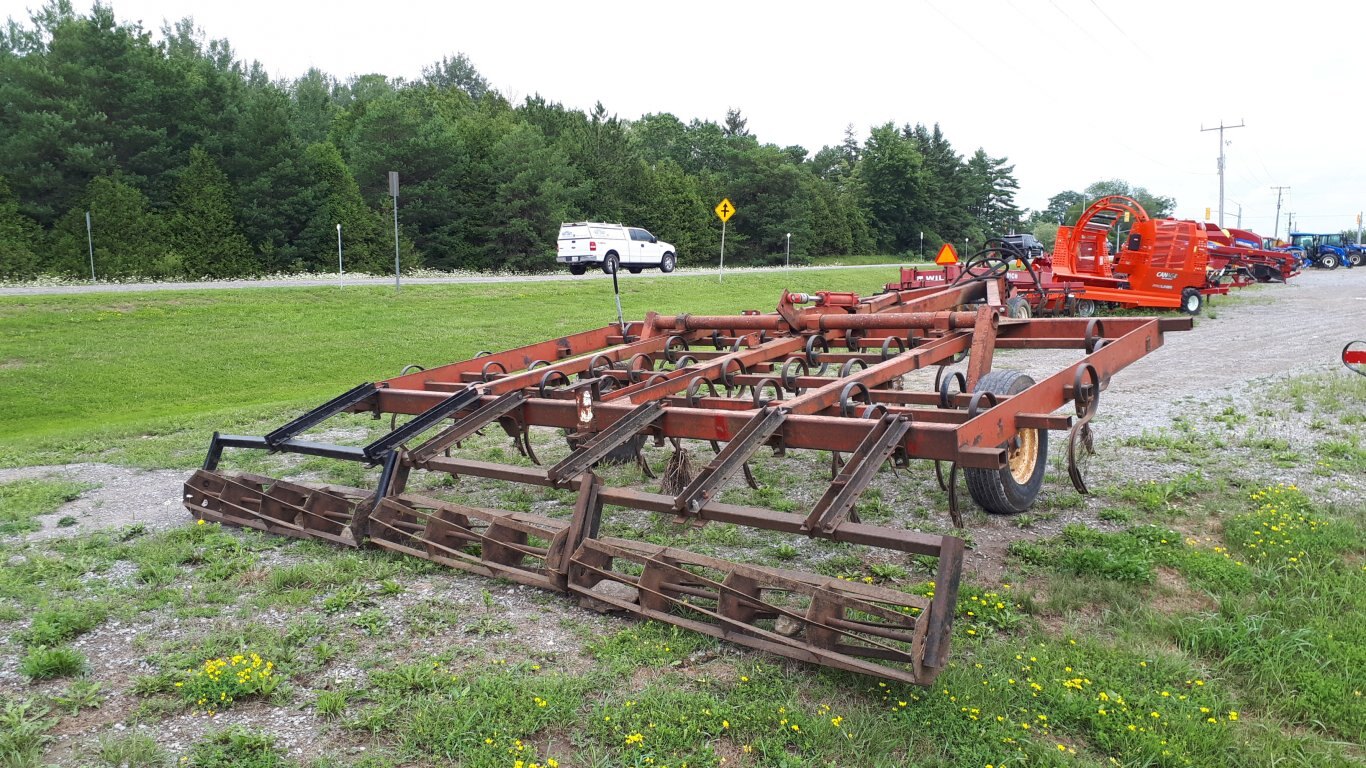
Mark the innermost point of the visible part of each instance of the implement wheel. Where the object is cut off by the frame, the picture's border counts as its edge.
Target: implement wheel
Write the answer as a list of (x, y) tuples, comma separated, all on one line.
[(1192, 301), (1013, 489)]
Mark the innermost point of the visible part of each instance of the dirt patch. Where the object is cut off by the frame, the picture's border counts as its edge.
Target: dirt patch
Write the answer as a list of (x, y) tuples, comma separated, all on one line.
[(1174, 595), (121, 497)]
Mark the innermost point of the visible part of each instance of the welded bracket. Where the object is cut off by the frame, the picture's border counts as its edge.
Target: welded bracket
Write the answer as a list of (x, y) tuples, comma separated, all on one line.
[(738, 451), (466, 426), (605, 442), (838, 500), (422, 422)]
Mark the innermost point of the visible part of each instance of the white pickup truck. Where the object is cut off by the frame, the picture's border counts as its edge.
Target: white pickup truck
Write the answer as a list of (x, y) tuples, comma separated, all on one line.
[(611, 246)]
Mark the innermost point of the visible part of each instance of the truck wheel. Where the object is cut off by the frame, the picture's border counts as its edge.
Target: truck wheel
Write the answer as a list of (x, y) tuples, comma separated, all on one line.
[(1017, 308), (1328, 260), (577, 269), (667, 263), (1013, 489), (609, 263), (1192, 301)]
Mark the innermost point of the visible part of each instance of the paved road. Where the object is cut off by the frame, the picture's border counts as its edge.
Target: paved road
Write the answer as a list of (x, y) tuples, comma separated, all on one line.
[(323, 281)]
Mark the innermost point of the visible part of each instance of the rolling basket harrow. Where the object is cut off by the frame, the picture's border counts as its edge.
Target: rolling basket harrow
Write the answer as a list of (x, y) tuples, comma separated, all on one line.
[(821, 373)]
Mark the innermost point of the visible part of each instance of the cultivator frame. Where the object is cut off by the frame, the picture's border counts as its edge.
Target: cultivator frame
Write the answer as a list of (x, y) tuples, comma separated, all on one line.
[(741, 383)]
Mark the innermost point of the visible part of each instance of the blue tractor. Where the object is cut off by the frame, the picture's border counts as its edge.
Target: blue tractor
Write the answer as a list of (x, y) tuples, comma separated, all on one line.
[(1324, 250)]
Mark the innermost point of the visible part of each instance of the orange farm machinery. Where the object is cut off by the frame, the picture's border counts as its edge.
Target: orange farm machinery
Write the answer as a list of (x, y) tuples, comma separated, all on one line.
[(824, 373), (1158, 264)]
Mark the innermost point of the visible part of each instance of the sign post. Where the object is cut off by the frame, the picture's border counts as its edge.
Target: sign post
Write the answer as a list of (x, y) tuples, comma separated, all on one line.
[(339, 257), (393, 192), (724, 210), (787, 254), (90, 245)]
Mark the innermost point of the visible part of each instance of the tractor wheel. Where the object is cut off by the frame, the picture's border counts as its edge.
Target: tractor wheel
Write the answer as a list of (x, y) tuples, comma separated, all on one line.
[(1085, 308), (1018, 308), (609, 263), (1192, 301), (1354, 258), (1012, 489), (1328, 260), (577, 269), (667, 263)]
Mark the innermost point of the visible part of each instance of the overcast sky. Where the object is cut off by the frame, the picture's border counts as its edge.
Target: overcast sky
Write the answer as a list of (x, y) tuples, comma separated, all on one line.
[(1070, 91)]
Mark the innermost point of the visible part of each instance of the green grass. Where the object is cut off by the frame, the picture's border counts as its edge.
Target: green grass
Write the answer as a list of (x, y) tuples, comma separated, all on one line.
[(236, 747), (23, 733), (144, 378), (60, 622), (130, 749), (44, 663), (23, 500)]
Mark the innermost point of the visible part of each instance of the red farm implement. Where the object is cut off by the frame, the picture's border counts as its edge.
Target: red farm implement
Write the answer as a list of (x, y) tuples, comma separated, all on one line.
[(1238, 254), (822, 373)]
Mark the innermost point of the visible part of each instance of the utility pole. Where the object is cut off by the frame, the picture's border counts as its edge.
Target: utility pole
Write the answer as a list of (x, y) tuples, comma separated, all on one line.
[(1221, 130), (1276, 234)]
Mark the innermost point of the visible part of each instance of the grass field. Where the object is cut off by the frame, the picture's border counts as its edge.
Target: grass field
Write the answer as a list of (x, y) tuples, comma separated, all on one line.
[(1212, 618), (79, 374)]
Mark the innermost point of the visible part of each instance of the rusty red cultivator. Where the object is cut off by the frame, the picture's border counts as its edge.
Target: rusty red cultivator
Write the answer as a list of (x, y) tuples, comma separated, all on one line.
[(821, 373)]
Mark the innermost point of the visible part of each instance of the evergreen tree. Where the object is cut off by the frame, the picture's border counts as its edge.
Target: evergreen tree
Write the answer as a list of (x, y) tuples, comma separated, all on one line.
[(535, 195), (892, 174), (336, 199), (203, 231), (18, 238), (459, 73), (675, 212), (130, 240)]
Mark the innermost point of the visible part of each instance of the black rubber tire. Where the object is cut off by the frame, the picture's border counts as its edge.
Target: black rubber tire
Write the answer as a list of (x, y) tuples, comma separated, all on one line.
[(1018, 308), (634, 270), (577, 269), (668, 263), (1085, 308), (609, 263), (1192, 301), (1354, 258), (1328, 260), (999, 491)]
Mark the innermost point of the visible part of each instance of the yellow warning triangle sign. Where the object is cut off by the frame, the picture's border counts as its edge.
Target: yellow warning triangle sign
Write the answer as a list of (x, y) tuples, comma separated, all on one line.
[(947, 255)]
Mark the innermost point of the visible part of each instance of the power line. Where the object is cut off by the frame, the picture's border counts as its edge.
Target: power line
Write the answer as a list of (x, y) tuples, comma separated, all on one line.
[(1121, 31)]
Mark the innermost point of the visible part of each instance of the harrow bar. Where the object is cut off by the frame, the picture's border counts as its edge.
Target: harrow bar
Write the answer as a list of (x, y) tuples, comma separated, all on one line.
[(824, 372)]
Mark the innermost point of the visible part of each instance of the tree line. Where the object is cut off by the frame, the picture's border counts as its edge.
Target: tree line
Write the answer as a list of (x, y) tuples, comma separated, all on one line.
[(195, 164)]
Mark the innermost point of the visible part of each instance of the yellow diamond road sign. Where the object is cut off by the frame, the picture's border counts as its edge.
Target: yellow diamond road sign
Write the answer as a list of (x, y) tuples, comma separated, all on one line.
[(724, 210)]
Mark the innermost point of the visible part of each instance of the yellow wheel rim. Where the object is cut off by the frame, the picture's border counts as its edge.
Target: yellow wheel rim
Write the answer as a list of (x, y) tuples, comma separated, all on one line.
[(1024, 455)]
